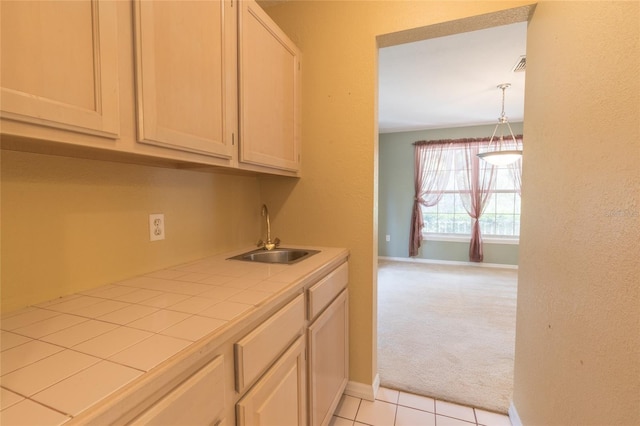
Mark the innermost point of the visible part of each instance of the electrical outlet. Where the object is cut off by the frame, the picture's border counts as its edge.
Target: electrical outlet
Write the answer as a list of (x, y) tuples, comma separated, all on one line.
[(156, 227), (388, 238)]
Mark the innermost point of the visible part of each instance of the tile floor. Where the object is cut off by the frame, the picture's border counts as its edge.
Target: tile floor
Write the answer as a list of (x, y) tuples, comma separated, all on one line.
[(397, 408)]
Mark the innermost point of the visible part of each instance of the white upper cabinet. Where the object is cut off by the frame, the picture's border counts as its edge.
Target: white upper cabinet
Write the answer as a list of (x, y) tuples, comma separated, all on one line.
[(186, 75), (212, 82), (60, 66), (269, 93)]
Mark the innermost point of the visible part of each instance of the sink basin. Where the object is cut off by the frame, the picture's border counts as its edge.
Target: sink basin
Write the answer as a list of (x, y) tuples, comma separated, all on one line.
[(285, 256)]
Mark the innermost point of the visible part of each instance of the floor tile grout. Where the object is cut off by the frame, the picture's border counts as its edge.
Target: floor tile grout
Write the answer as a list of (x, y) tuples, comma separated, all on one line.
[(504, 419)]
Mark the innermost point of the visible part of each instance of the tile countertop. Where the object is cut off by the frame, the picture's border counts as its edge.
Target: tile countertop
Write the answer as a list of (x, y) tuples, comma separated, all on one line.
[(63, 356)]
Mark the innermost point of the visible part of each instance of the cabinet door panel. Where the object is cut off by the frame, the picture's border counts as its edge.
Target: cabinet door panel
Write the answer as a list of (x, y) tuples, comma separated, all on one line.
[(185, 75), (278, 398), (328, 360), (197, 401), (269, 92), (59, 65)]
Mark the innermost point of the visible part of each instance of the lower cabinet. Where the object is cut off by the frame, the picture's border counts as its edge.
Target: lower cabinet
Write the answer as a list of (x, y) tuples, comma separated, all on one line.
[(297, 389), (328, 338), (199, 400), (287, 367), (279, 397)]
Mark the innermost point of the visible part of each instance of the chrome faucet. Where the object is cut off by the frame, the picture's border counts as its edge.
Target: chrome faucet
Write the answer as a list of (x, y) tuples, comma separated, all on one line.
[(268, 245)]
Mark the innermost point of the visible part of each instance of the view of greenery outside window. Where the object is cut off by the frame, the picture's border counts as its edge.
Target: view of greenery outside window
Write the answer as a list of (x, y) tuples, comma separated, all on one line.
[(501, 217)]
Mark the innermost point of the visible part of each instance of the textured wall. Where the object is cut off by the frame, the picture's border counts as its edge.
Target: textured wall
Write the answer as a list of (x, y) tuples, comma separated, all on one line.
[(577, 356), (396, 192), (335, 202), (72, 224), (578, 349), (578, 336)]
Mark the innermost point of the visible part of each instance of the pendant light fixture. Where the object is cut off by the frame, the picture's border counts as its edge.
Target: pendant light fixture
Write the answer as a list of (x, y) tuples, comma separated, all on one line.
[(495, 154)]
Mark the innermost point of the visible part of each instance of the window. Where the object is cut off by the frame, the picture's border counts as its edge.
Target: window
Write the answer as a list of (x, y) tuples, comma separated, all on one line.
[(501, 217)]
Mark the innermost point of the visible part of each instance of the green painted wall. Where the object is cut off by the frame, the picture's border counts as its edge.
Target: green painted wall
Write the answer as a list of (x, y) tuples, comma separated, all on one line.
[(396, 198)]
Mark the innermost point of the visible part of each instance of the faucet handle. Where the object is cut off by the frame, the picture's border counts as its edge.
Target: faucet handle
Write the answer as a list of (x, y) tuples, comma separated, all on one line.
[(260, 243), (276, 242)]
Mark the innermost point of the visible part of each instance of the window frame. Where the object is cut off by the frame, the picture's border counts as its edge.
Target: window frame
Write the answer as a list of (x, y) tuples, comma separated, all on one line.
[(460, 237)]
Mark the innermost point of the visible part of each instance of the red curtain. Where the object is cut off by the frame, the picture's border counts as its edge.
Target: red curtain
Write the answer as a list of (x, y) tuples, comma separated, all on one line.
[(432, 169), (474, 178)]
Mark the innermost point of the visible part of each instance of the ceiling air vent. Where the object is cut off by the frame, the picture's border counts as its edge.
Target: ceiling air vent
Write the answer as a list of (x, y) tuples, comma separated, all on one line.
[(521, 64)]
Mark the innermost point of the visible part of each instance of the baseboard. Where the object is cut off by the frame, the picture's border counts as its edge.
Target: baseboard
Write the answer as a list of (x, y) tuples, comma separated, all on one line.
[(448, 262), (513, 415), (364, 391)]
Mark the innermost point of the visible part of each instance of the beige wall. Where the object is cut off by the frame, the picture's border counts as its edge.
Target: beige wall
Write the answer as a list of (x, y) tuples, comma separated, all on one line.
[(578, 349), (335, 201), (72, 224), (578, 325)]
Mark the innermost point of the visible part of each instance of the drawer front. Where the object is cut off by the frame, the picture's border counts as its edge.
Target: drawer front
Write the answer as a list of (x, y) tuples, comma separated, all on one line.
[(325, 290), (260, 348), (199, 400)]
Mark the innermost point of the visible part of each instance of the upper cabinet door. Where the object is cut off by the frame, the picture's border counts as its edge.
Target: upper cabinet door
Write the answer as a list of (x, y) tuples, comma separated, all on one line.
[(186, 75), (269, 92), (60, 66)]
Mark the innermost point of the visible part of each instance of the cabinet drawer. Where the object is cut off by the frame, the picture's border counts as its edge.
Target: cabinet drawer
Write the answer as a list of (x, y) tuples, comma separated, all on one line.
[(199, 400), (325, 290), (259, 349)]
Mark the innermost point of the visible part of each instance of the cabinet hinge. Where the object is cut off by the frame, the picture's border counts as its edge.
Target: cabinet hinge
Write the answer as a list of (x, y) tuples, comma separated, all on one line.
[(231, 3)]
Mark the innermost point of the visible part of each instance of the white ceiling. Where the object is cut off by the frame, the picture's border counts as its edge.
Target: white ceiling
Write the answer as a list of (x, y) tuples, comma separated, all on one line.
[(451, 81)]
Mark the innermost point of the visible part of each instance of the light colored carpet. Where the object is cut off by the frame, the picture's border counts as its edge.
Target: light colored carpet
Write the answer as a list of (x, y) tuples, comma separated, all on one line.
[(447, 332)]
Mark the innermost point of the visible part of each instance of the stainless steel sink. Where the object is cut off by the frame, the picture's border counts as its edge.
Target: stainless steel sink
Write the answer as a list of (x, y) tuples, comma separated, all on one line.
[(285, 256)]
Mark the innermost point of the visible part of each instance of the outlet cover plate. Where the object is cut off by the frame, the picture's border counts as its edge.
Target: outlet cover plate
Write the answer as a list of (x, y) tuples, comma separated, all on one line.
[(156, 227)]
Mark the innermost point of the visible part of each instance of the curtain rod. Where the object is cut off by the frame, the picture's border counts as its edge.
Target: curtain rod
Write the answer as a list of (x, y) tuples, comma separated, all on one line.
[(454, 141)]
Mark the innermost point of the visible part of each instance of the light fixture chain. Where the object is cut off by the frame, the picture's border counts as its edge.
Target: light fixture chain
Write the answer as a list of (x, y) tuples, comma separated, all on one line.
[(503, 87)]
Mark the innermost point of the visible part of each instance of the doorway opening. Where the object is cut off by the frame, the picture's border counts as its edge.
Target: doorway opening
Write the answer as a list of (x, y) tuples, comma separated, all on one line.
[(446, 328)]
